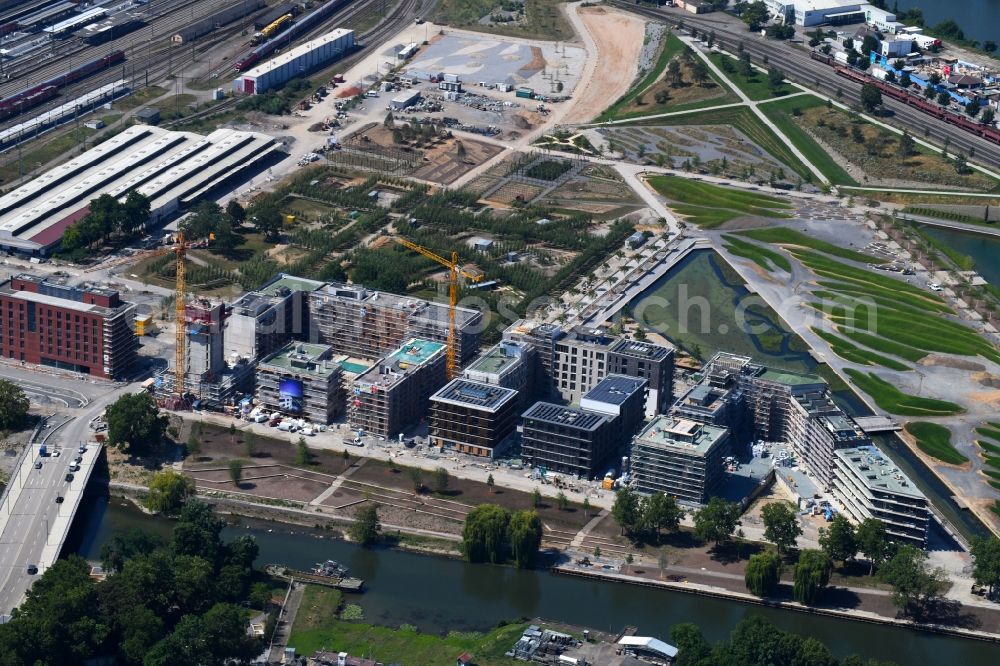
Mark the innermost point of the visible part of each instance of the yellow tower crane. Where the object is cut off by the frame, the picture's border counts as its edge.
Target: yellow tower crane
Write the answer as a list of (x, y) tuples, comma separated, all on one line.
[(180, 301), (454, 270)]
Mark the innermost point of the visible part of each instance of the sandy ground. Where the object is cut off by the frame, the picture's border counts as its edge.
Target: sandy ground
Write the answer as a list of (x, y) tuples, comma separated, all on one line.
[(618, 38)]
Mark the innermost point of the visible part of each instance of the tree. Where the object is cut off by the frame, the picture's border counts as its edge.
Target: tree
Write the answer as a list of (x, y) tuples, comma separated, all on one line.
[(586, 506), (755, 15), (366, 529), (716, 521), (236, 471), (943, 98), (907, 146), (781, 525), (14, 405), (236, 212), (871, 97), (989, 46), (972, 108), (562, 502), (856, 134), (699, 72), (763, 573), (660, 512), (123, 546), (489, 482), (197, 532), (987, 117), (626, 510), (674, 75), (986, 565), (168, 489), (838, 540), (536, 498), (417, 478), (692, 648), (267, 220), (134, 423), (525, 536), (193, 445), (440, 479), (905, 80), (914, 584), (302, 454), (929, 92), (812, 573), (250, 443), (775, 78), (661, 97), (484, 535)]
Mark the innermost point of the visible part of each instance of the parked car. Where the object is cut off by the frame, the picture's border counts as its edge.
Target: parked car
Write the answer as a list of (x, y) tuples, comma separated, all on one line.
[(32, 569)]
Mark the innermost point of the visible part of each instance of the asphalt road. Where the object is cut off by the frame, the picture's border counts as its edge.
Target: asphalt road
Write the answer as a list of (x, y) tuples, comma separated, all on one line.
[(30, 521), (799, 67)]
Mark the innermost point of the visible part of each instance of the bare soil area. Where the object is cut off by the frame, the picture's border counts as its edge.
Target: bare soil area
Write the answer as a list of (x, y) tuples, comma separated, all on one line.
[(618, 38)]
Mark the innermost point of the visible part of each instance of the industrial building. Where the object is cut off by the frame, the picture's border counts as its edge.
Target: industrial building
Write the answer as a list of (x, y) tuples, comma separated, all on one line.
[(84, 328), (303, 381), (405, 100), (296, 62), (394, 393), (217, 20), (681, 458), (474, 418), (262, 321), (368, 324), (870, 486), (584, 441), (172, 169), (113, 28)]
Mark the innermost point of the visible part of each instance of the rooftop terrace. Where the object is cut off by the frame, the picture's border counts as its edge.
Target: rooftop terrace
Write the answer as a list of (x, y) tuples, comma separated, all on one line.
[(474, 394), (789, 378), (680, 434), (303, 358), (877, 471), (289, 282), (496, 360)]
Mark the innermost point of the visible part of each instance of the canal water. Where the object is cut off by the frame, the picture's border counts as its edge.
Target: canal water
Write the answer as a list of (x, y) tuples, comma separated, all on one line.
[(979, 19), (982, 248), (439, 594)]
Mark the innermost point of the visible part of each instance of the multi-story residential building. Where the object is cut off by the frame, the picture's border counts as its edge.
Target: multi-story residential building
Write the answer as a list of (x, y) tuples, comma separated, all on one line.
[(816, 428), (722, 406), (870, 486), (679, 457), (651, 362), (393, 394), (580, 361), (263, 321), (302, 380), (621, 398), (368, 324), (508, 364), (473, 417), (82, 328)]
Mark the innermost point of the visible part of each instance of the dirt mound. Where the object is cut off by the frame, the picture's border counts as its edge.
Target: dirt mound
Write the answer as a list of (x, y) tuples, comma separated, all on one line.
[(956, 363), (986, 379), (351, 91)]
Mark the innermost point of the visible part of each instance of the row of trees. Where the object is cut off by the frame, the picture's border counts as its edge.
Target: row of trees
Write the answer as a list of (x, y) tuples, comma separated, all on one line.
[(493, 534), (163, 602), (646, 518), (107, 218), (14, 406)]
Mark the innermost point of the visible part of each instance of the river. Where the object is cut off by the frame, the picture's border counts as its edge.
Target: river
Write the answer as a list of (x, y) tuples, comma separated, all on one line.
[(440, 594), (979, 19), (984, 249)]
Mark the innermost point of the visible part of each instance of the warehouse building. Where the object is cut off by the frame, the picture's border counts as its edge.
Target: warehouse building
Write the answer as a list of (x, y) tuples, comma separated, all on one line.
[(869, 485), (368, 324), (808, 13), (681, 458), (474, 418), (405, 100), (302, 381), (172, 169), (83, 328), (298, 61), (394, 393), (217, 20)]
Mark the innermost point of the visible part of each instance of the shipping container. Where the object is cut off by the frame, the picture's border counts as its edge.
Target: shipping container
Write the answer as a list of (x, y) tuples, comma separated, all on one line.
[(525, 93)]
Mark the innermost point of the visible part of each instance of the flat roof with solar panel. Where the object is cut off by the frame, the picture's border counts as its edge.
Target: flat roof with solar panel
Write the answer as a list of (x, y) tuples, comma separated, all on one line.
[(565, 416), (468, 393), (643, 350), (615, 389)]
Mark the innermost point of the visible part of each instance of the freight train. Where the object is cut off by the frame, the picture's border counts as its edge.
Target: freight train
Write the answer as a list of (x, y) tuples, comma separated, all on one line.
[(987, 132), (303, 25), (46, 90), (272, 29)]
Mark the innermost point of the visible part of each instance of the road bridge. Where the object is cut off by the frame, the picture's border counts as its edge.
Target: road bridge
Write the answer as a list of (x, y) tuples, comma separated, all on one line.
[(875, 424)]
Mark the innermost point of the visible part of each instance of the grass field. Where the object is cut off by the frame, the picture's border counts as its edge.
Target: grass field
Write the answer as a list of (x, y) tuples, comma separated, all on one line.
[(935, 441), (781, 114), (786, 236), (755, 86), (543, 18), (767, 259), (894, 401), (317, 626), (700, 199), (744, 120), (851, 352)]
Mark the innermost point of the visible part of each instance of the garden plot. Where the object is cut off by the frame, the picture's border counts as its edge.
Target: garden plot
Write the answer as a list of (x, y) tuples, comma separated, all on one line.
[(707, 146)]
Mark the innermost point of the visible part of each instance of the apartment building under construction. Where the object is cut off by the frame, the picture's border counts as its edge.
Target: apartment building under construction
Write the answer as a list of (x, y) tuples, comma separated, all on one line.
[(364, 323), (474, 418), (393, 394)]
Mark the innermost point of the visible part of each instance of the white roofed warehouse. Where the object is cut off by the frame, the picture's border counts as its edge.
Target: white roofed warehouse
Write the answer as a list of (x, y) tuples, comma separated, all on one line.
[(172, 169), (295, 62)]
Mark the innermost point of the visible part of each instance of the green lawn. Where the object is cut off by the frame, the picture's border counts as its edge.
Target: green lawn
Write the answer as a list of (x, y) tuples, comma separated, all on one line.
[(894, 401), (850, 352), (755, 86), (744, 120), (935, 440), (828, 267), (697, 193), (781, 114), (786, 236), (767, 259), (886, 346), (992, 433), (706, 218)]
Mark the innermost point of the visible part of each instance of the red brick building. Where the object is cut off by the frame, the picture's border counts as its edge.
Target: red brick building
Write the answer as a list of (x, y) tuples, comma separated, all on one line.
[(80, 328)]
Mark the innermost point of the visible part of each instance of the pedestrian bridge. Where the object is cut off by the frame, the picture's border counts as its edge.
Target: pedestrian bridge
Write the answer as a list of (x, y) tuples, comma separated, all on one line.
[(875, 424)]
